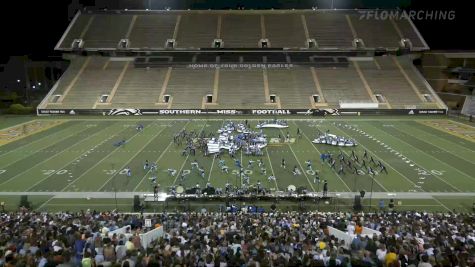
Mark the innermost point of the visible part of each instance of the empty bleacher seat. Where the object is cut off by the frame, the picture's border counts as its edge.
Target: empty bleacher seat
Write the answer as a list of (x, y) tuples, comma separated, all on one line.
[(75, 30), (189, 86), (388, 81), (375, 33), (197, 31), (152, 30), (409, 32), (293, 86), (97, 79), (285, 31), (329, 29), (341, 84), (106, 30), (240, 31), (241, 89), (140, 87)]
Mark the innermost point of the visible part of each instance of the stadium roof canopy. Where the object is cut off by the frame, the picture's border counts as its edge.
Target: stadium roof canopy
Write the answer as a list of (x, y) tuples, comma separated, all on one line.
[(239, 29)]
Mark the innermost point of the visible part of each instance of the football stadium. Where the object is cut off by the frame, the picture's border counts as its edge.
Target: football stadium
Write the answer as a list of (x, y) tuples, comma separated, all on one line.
[(243, 137)]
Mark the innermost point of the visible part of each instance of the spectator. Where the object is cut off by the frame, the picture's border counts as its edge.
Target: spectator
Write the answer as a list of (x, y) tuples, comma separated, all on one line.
[(381, 253), (358, 228), (120, 250), (424, 261), (391, 257), (226, 239), (129, 245), (87, 260)]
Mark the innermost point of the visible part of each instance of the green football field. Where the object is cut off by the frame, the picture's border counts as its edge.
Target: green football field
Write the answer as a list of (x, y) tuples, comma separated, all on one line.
[(430, 157)]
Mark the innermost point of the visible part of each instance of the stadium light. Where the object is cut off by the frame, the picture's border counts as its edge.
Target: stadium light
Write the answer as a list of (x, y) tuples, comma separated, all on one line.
[(18, 81), (39, 84), (34, 87)]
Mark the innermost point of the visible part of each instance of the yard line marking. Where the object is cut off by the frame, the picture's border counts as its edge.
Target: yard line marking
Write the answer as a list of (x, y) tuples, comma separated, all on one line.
[(442, 161), (423, 131), (272, 170), (212, 163), (43, 161), (131, 158), (41, 139), (349, 190), (385, 189), (303, 170), (242, 164), (46, 151), (159, 158), (440, 178), (187, 156), (45, 203), (70, 162), (105, 157), (405, 177), (438, 201)]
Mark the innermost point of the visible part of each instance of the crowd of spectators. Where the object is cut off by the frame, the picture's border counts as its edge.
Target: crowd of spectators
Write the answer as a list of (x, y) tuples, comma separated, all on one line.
[(237, 239)]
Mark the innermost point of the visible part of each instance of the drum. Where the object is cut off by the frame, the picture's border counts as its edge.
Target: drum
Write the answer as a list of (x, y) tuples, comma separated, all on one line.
[(180, 189)]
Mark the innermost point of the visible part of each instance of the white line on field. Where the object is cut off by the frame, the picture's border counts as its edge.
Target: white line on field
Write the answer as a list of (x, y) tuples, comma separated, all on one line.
[(187, 156), (212, 163), (272, 170), (296, 158), (341, 179), (158, 159), (440, 178), (47, 159), (135, 155), (376, 156), (105, 157)]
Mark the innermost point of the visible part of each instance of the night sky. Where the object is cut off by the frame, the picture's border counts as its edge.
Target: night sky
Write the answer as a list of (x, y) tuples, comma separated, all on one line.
[(34, 27)]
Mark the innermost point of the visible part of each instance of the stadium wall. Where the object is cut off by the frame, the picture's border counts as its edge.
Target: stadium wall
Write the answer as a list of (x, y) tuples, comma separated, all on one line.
[(252, 112)]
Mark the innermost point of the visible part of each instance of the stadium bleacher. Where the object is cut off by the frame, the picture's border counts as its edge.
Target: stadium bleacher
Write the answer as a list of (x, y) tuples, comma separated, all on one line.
[(284, 30), (294, 87), (238, 29), (329, 30), (149, 30), (398, 91), (142, 86), (241, 89), (188, 87), (196, 31), (332, 72), (341, 84), (387, 35), (105, 31)]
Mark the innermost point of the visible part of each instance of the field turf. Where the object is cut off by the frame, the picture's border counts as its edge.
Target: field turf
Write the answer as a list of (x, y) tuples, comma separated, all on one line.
[(79, 156)]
